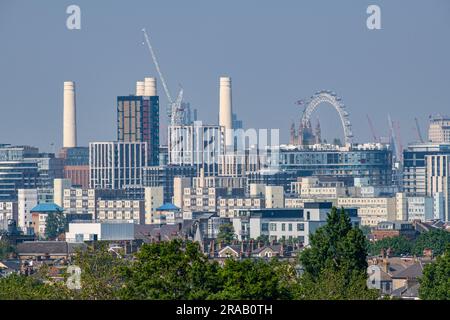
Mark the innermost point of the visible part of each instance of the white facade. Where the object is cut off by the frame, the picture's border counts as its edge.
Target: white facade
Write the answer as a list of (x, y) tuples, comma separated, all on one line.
[(274, 197), (437, 179), (101, 231), (58, 190), (371, 210), (8, 211), (128, 210), (154, 198), (27, 199), (198, 145), (439, 130), (420, 208), (115, 165)]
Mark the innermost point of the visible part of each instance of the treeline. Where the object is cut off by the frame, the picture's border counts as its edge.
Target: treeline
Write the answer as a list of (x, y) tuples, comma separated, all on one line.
[(436, 240)]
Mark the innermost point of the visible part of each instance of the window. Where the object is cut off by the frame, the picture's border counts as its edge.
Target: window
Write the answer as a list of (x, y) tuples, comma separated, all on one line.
[(283, 227), (273, 227), (308, 215), (301, 239), (290, 226), (300, 227), (264, 227)]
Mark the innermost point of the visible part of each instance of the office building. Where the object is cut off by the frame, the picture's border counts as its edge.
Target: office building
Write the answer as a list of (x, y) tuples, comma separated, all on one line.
[(116, 165), (439, 129), (196, 145)]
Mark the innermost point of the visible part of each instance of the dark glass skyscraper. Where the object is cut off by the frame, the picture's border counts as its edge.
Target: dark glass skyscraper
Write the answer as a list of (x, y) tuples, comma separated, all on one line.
[(138, 121)]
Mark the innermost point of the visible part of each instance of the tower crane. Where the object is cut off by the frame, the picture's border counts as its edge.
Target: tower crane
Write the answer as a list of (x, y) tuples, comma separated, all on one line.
[(175, 111), (372, 129), (419, 133)]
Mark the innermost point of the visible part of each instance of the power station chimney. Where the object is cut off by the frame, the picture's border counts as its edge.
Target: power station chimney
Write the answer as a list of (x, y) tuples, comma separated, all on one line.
[(140, 85), (226, 109), (70, 116), (150, 87)]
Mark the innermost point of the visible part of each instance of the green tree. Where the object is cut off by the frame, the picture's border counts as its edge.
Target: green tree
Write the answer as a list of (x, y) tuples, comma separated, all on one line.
[(437, 240), (101, 273), (435, 282), (55, 224), (332, 284), (170, 271), (398, 245), (335, 260), (19, 287), (226, 233), (255, 279), (263, 239)]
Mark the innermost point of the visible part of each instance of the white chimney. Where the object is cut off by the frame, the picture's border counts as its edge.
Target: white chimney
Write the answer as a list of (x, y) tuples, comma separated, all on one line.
[(226, 109), (150, 87), (70, 116), (140, 88)]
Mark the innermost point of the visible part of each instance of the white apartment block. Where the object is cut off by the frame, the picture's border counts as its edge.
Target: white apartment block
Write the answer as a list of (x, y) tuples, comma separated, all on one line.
[(8, 211), (27, 199), (80, 201), (228, 206), (439, 130), (129, 210), (437, 179), (371, 210), (153, 198)]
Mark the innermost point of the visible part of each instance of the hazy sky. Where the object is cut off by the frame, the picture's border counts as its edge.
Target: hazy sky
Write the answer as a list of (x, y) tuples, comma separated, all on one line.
[(276, 52)]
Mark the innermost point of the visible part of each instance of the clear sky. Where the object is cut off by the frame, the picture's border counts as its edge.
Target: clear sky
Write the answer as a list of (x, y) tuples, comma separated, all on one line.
[(276, 52)]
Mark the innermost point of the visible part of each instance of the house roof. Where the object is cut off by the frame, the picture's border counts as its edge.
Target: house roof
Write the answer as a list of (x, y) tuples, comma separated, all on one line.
[(152, 231), (407, 292), (48, 247), (10, 264), (274, 248), (168, 207), (412, 272), (47, 207)]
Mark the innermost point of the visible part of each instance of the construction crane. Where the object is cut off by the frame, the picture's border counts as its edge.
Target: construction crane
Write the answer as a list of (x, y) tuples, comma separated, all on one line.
[(175, 111), (372, 129), (419, 133)]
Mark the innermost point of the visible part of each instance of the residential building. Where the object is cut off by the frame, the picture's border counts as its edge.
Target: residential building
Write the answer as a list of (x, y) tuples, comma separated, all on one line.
[(138, 121), (439, 129), (121, 209), (39, 216), (289, 224), (371, 210), (8, 211), (196, 145), (154, 198), (115, 165), (27, 200)]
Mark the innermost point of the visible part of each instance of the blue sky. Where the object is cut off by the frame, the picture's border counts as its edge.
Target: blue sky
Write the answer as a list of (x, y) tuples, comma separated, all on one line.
[(276, 52)]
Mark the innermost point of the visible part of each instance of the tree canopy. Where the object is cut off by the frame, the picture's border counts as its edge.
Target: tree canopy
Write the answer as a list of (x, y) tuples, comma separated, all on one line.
[(436, 240), (398, 245), (435, 282), (335, 264), (55, 224)]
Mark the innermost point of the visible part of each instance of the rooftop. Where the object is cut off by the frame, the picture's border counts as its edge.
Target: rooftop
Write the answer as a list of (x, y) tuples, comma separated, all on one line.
[(47, 207)]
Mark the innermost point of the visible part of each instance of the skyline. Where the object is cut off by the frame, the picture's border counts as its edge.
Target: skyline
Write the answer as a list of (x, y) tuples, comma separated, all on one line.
[(403, 65)]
